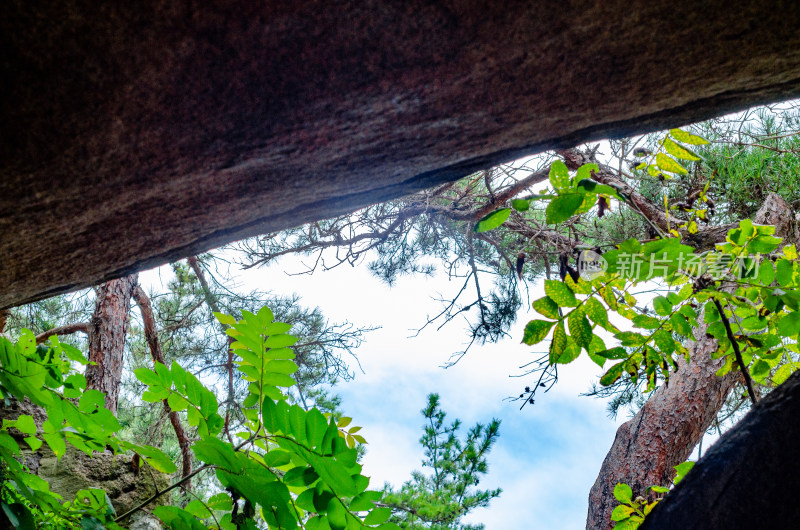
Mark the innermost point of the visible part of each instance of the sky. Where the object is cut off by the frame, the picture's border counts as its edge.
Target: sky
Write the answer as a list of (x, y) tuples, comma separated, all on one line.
[(548, 454)]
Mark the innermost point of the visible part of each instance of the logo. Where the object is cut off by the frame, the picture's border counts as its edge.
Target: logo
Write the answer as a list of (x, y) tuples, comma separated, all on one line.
[(591, 265)]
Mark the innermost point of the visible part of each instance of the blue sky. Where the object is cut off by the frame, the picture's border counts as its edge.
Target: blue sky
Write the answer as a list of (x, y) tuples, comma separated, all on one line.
[(548, 455)]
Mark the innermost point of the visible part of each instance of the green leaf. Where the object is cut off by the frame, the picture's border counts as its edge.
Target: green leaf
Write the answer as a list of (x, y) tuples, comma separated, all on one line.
[(315, 427), (547, 307), (579, 328), (687, 138), (337, 514), (176, 402), (588, 202), (760, 370), (365, 501), (621, 512), (280, 341), (178, 519), (155, 457), (678, 151), (9, 443), (378, 516), (335, 474), (754, 323), (586, 170), (664, 341), (492, 220), (789, 325), (783, 373), (784, 272), (560, 293), (277, 379), (559, 175), (536, 331), (276, 328), (669, 164), (300, 476), (741, 234), (220, 501), (681, 470), (19, 515), (74, 354), (198, 509), (646, 322), (662, 306), (224, 319), (791, 299), (594, 309), (563, 207), (567, 354), (281, 366), (520, 205), (316, 523), (277, 457), (265, 315), (25, 425), (623, 493), (764, 244), (681, 325), (56, 443), (147, 376), (711, 314), (614, 353), (613, 373), (630, 338), (766, 273), (217, 453)]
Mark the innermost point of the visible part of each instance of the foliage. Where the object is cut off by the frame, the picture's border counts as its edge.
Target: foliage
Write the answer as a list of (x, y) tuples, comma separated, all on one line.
[(439, 500), (630, 514), (762, 301), (744, 290), (75, 416), (753, 156), (189, 334), (290, 467)]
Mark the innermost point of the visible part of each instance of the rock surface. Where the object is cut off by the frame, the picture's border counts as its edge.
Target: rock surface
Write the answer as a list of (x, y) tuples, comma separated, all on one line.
[(134, 134), (76, 470)]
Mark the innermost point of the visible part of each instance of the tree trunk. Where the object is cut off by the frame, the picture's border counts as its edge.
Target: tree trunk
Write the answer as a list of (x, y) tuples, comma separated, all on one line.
[(749, 478), (664, 432), (107, 332), (672, 422)]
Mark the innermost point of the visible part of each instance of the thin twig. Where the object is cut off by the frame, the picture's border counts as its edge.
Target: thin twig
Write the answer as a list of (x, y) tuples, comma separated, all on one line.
[(151, 336), (212, 304), (745, 373)]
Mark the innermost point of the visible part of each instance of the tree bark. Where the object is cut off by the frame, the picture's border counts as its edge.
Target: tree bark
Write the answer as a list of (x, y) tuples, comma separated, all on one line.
[(748, 479), (107, 332), (82, 327), (664, 432), (668, 427)]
